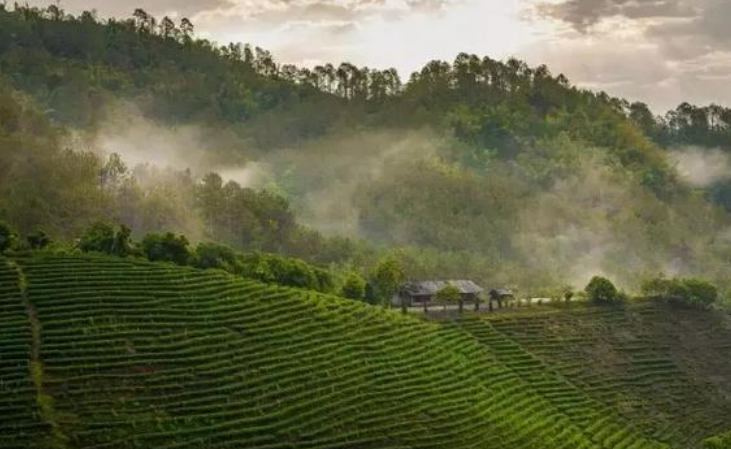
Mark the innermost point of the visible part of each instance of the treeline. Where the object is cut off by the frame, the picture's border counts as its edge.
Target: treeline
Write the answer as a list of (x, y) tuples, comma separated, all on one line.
[(491, 106), (705, 126), (104, 238), (375, 286), (482, 169)]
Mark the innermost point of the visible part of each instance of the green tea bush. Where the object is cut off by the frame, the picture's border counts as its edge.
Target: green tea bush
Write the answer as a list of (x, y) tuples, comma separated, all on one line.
[(602, 291)]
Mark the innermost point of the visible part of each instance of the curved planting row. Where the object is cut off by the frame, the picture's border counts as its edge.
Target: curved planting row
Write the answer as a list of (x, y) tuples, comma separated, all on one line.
[(20, 422), (603, 424), (664, 370), (141, 355)]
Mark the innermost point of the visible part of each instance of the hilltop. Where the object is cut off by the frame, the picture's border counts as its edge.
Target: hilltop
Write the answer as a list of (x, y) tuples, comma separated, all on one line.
[(133, 354)]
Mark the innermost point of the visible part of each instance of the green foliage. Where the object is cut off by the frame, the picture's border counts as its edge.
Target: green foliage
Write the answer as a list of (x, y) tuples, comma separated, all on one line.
[(6, 236), (38, 240), (100, 237), (702, 293), (689, 291), (567, 293), (722, 441), (166, 247), (123, 241), (104, 238), (449, 294), (602, 291), (508, 153), (354, 287), (387, 278), (268, 268), (325, 281), (212, 255)]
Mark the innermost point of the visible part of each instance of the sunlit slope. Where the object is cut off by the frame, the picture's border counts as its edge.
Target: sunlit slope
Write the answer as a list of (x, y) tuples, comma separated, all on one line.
[(665, 370), (139, 355)]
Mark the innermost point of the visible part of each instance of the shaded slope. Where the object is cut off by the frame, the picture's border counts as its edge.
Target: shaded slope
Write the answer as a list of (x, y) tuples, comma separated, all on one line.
[(146, 355), (664, 370)]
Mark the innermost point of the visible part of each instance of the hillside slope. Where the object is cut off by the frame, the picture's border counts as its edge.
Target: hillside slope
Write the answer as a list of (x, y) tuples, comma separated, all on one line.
[(138, 355), (663, 369)]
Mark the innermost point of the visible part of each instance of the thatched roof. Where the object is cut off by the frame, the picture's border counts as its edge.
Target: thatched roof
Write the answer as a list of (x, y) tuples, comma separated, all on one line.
[(429, 288)]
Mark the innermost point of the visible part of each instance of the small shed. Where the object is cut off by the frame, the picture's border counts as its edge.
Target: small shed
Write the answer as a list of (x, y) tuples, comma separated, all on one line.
[(421, 293)]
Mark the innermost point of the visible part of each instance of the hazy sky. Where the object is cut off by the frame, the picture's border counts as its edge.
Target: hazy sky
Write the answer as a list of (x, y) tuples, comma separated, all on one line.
[(659, 51)]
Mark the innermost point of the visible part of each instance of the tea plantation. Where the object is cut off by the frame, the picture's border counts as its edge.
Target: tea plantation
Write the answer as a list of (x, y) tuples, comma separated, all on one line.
[(115, 353)]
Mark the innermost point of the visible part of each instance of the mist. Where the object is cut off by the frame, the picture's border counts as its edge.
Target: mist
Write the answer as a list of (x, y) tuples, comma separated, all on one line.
[(198, 148), (355, 183), (701, 167)]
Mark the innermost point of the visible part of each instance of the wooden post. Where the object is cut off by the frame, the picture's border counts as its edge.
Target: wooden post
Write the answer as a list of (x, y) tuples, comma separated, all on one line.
[(426, 306), (461, 305), (477, 303)]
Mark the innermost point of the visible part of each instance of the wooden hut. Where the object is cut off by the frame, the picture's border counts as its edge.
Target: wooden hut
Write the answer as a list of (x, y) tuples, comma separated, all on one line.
[(423, 293)]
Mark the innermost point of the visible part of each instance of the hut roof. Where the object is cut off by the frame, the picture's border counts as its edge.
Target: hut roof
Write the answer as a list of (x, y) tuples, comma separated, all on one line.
[(425, 288), (501, 292)]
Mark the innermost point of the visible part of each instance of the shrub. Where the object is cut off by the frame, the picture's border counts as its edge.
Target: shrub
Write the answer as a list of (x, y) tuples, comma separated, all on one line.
[(691, 291), (38, 240), (6, 236), (702, 293), (602, 291), (166, 247), (325, 281), (104, 238), (449, 294), (387, 278), (718, 442), (123, 242), (354, 287), (212, 255), (656, 287), (99, 237), (271, 268), (567, 293)]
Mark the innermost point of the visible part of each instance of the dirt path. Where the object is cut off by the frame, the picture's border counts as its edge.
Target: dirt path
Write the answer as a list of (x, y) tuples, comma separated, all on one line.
[(37, 370)]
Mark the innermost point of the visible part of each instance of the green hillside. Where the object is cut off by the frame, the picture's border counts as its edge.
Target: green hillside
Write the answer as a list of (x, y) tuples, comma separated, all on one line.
[(130, 354)]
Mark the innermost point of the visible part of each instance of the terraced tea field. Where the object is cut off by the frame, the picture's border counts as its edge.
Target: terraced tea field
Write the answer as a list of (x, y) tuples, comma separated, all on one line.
[(665, 370), (114, 353)]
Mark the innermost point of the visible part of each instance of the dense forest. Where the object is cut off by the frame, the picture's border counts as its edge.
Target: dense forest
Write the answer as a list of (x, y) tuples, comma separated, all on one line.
[(483, 169)]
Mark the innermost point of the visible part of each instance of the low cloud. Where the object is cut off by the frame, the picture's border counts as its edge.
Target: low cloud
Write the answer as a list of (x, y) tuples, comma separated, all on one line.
[(701, 167)]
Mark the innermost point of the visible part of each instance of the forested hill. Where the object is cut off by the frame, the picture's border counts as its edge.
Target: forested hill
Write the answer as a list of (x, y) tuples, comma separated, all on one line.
[(478, 168)]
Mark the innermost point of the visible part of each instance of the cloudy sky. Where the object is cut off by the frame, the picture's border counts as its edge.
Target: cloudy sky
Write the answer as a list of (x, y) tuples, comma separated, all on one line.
[(659, 51)]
